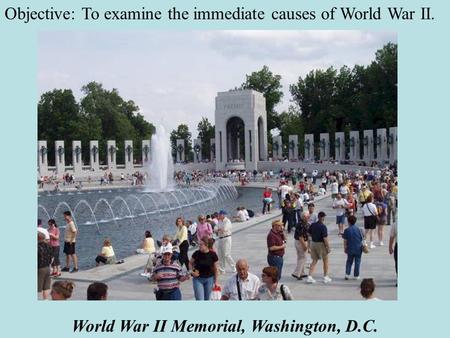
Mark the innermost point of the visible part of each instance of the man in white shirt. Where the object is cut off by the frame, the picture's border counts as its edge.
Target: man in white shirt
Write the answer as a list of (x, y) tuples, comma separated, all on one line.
[(223, 230), (334, 187), (241, 286), (284, 189), (340, 205)]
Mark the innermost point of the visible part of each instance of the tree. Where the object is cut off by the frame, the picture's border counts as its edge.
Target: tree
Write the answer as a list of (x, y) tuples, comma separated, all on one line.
[(182, 132), (102, 115), (364, 97), (291, 124), (265, 82), (205, 132), (59, 118), (116, 116)]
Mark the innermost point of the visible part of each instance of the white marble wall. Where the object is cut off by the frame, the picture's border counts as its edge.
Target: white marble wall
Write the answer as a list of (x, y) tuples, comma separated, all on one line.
[(277, 148), (129, 161), (324, 146), (339, 146), (197, 148), (354, 146), (248, 105), (146, 152), (308, 147), (293, 147), (212, 149), (367, 142), (77, 160), (180, 155), (42, 158), (93, 155), (392, 144), (111, 151), (60, 161), (381, 145)]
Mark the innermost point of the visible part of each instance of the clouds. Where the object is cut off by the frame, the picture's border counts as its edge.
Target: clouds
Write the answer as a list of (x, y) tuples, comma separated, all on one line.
[(173, 76)]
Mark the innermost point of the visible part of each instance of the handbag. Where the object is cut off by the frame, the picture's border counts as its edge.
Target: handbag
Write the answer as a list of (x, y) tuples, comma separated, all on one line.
[(364, 245), (216, 293)]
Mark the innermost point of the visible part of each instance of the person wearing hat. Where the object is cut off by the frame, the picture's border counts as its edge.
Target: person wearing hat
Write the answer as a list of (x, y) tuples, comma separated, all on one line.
[(364, 194), (320, 248), (168, 276), (223, 230), (276, 245)]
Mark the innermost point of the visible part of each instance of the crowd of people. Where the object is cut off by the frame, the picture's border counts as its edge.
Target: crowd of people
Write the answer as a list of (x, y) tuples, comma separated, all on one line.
[(373, 194)]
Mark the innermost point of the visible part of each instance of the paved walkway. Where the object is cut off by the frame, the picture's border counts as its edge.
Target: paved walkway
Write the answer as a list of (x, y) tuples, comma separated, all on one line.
[(249, 241)]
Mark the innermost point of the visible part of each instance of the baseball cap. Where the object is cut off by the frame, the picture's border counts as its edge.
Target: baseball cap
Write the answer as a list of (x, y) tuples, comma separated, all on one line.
[(166, 249), (222, 212)]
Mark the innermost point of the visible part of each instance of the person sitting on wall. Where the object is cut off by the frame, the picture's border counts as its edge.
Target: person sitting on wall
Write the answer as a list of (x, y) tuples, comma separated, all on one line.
[(106, 256)]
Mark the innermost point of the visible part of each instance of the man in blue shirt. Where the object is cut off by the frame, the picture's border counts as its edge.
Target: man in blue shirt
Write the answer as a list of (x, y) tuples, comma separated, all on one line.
[(352, 247), (320, 248)]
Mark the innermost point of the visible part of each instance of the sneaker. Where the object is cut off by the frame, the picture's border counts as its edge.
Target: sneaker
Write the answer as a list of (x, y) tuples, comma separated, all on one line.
[(310, 280), (347, 277), (295, 276), (145, 274), (74, 270), (356, 277), (327, 279), (381, 243), (372, 246), (65, 269)]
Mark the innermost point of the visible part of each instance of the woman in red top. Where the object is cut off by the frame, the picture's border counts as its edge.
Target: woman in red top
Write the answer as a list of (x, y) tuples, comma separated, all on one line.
[(351, 209), (267, 200)]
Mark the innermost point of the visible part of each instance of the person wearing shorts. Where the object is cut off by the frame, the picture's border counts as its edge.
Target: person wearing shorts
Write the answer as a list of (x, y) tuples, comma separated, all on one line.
[(370, 219), (320, 248), (70, 236)]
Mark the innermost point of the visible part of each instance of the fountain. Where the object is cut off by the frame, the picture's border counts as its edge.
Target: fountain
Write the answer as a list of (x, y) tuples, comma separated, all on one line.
[(161, 164), (124, 214)]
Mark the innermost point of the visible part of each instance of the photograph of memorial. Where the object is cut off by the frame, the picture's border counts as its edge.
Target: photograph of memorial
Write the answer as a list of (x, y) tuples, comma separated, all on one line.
[(217, 165)]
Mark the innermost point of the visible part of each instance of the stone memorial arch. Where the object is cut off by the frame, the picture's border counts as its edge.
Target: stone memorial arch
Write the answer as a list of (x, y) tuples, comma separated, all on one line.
[(241, 129)]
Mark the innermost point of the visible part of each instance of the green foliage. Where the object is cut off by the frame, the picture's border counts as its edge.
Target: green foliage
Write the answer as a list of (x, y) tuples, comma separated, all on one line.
[(182, 132), (291, 124), (205, 132), (265, 82), (101, 115), (349, 99)]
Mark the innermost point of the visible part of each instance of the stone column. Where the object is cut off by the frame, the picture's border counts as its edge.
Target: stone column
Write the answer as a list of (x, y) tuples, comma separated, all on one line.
[(129, 160), (293, 147), (392, 144), (77, 160), (324, 146), (251, 144), (42, 158), (354, 146), (60, 161), (277, 148), (212, 149), (367, 142), (381, 144), (145, 152), (339, 146), (180, 150), (111, 154), (93, 155), (197, 150), (309, 147)]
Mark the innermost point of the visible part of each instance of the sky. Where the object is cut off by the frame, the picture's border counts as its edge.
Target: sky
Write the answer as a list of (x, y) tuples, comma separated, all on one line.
[(174, 76)]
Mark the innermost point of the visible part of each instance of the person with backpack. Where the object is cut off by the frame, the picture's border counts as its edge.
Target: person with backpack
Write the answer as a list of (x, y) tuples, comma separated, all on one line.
[(270, 288)]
